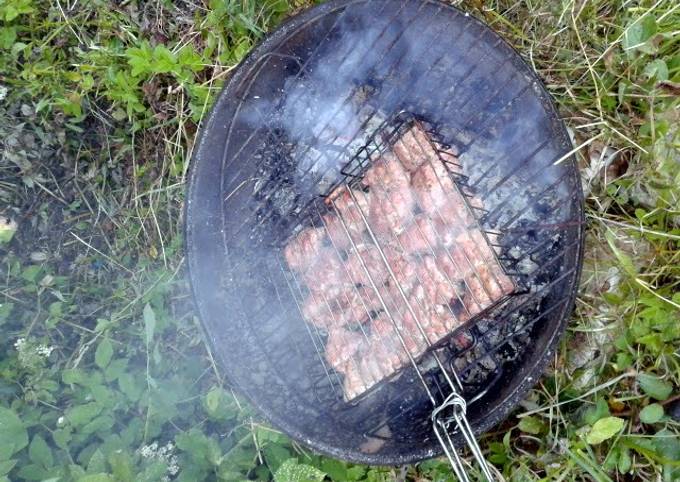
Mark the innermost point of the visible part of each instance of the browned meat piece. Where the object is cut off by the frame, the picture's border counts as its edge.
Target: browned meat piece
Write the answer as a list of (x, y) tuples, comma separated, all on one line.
[(505, 282), (409, 152), (342, 347), (356, 306), (439, 289), (391, 198), (365, 265), (390, 213), (404, 268), (457, 264), (337, 234), (348, 308), (421, 315), (319, 311), (386, 174), (349, 205), (489, 272), (327, 275), (433, 186), (372, 369), (473, 241), (419, 237), (414, 148), (453, 218), (385, 343), (302, 250), (427, 233), (445, 317), (354, 383), (350, 354)]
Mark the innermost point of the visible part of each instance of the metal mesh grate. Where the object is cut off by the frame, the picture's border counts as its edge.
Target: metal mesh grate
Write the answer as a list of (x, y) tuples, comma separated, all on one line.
[(280, 139), (380, 305)]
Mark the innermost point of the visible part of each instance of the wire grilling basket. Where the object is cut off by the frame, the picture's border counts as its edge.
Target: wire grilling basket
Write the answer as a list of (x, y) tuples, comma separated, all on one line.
[(383, 235)]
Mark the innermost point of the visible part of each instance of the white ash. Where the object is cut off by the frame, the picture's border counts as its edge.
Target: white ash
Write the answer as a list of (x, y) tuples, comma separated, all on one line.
[(526, 266)]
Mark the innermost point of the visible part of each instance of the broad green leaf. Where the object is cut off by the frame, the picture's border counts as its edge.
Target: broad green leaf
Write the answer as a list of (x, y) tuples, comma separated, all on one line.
[(100, 477), (292, 471), (122, 466), (31, 273), (39, 452), (6, 466), (73, 375), (596, 412), (104, 352), (149, 323), (5, 311), (639, 32), (164, 60), (6, 451), (61, 438), (8, 36), (82, 414), (656, 69), (530, 425), (654, 386), (604, 429), (625, 461), (12, 430), (97, 462), (667, 444), (335, 469), (190, 59), (276, 455), (130, 386), (213, 400), (356, 472), (153, 472), (651, 413), (139, 58), (33, 472)]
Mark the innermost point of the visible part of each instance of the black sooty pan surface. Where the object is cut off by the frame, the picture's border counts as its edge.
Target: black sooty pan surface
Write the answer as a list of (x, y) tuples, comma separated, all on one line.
[(292, 115)]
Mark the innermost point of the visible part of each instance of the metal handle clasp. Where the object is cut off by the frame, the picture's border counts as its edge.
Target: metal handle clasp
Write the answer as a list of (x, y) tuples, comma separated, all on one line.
[(442, 421)]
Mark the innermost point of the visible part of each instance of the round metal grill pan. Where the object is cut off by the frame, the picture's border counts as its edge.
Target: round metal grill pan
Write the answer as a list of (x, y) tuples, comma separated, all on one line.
[(293, 114)]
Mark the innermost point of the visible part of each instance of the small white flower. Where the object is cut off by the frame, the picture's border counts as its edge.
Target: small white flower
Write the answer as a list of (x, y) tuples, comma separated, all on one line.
[(19, 344), (149, 451), (173, 466), (162, 453), (3, 92), (61, 420), (44, 350)]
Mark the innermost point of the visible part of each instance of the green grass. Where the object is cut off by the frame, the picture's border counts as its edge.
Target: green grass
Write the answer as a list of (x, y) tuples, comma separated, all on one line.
[(102, 356)]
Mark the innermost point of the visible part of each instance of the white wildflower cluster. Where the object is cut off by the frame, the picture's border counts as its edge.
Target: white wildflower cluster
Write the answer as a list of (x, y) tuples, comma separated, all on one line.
[(31, 354), (44, 350), (3, 92), (163, 453)]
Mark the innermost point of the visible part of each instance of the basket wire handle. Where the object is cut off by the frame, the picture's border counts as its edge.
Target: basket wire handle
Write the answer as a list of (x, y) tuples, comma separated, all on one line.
[(441, 423)]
